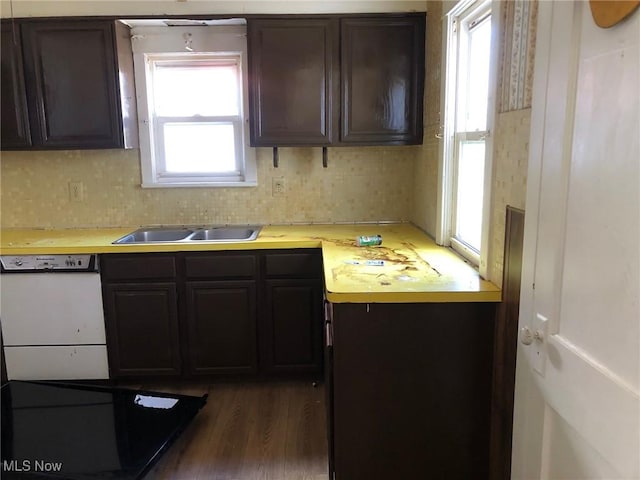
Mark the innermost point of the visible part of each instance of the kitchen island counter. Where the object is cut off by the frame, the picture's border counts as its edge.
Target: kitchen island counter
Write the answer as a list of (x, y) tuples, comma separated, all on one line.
[(407, 268)]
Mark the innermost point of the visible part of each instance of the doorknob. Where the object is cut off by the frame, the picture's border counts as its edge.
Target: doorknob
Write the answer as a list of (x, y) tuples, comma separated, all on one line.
[(527, 336)]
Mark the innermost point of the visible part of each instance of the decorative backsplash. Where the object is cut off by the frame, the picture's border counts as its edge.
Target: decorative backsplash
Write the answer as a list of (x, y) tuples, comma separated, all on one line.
[(360, 184), (510, 161), (425, 188)]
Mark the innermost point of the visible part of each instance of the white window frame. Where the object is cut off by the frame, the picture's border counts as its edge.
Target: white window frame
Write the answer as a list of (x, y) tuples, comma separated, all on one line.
[(449, 143), (215, 44)]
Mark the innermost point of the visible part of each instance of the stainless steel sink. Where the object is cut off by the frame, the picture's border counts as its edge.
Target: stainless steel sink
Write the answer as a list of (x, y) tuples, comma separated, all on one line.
[(225, 234), (191, 234), (149, 235)]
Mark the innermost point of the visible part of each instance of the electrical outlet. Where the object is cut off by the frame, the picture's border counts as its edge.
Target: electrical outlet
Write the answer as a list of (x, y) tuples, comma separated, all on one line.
[(76, 192), (278, 187)]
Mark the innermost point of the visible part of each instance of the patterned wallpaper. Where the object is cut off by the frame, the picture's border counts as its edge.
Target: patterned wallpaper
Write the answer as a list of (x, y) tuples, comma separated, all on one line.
[(425, 187), (360, 184), (513, 123), (518, 38), (509, 186)]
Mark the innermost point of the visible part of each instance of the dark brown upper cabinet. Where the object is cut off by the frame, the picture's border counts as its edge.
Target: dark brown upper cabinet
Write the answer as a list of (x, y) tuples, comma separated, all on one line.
[(382, 80), (292, 64), (78, 79), (337, 81), (15, 120)]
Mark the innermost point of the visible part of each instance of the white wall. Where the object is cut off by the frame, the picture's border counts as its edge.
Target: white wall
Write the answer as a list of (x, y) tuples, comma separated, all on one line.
[(54, 8)]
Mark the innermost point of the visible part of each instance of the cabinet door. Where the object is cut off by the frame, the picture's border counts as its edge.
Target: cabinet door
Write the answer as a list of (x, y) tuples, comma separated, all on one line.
[(292, 66), (412, 390), (142, 329), (291, 340), (71, 77), (382, 80), (15, 121), (221, 319)]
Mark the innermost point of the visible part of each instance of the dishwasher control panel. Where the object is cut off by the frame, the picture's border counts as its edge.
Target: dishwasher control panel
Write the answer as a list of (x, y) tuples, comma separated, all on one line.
[(31, 263)]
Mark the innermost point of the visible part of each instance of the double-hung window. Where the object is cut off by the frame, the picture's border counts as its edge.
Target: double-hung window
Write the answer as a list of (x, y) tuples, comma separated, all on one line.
[(192, 94), (466, 180)]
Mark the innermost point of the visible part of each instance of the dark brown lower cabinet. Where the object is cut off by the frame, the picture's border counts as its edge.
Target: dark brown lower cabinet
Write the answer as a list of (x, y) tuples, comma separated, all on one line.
[(292, 337), (221, 319), (412, 390), (210, 313), (142, 329)]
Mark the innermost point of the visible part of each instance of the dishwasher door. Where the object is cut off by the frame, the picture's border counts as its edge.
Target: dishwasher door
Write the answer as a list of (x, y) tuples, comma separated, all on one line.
[(53, 326)]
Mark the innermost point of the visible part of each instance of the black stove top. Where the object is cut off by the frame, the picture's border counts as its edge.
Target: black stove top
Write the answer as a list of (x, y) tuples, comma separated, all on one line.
[(53, 430)]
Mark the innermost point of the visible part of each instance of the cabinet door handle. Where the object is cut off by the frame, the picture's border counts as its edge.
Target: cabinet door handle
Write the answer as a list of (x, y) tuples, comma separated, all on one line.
[(328, 330), (328, 311)]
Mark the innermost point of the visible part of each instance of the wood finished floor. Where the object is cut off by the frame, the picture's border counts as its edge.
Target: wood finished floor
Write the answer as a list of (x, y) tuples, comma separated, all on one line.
[(249, 431)]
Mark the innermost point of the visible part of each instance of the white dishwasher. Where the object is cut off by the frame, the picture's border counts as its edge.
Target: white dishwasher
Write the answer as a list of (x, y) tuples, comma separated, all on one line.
[(52, 318)]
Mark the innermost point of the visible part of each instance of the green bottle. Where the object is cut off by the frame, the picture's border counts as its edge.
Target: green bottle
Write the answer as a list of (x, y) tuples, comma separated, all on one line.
[(369, 241)]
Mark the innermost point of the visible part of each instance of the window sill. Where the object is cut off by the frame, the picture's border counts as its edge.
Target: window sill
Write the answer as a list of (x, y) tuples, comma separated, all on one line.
[(466, 252), (200, 184)]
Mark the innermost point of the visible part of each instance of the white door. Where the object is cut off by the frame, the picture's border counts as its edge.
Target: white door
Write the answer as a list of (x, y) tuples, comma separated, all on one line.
[(577, 405)]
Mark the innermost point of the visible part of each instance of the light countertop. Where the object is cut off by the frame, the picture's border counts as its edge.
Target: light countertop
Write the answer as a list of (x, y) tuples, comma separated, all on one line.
[(414, 268)]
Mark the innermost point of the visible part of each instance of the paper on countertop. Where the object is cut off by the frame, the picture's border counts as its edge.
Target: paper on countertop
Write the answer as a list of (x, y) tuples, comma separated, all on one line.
[(369, 263)]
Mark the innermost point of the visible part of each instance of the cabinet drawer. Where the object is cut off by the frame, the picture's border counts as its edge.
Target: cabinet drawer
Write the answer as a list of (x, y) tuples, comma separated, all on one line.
[(293, 264), (124, 267), (220, 265)]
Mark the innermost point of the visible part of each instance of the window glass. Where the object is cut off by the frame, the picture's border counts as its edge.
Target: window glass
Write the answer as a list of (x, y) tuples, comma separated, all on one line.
[(199, 147), (196, 88), (470, 192), (478, 75)]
